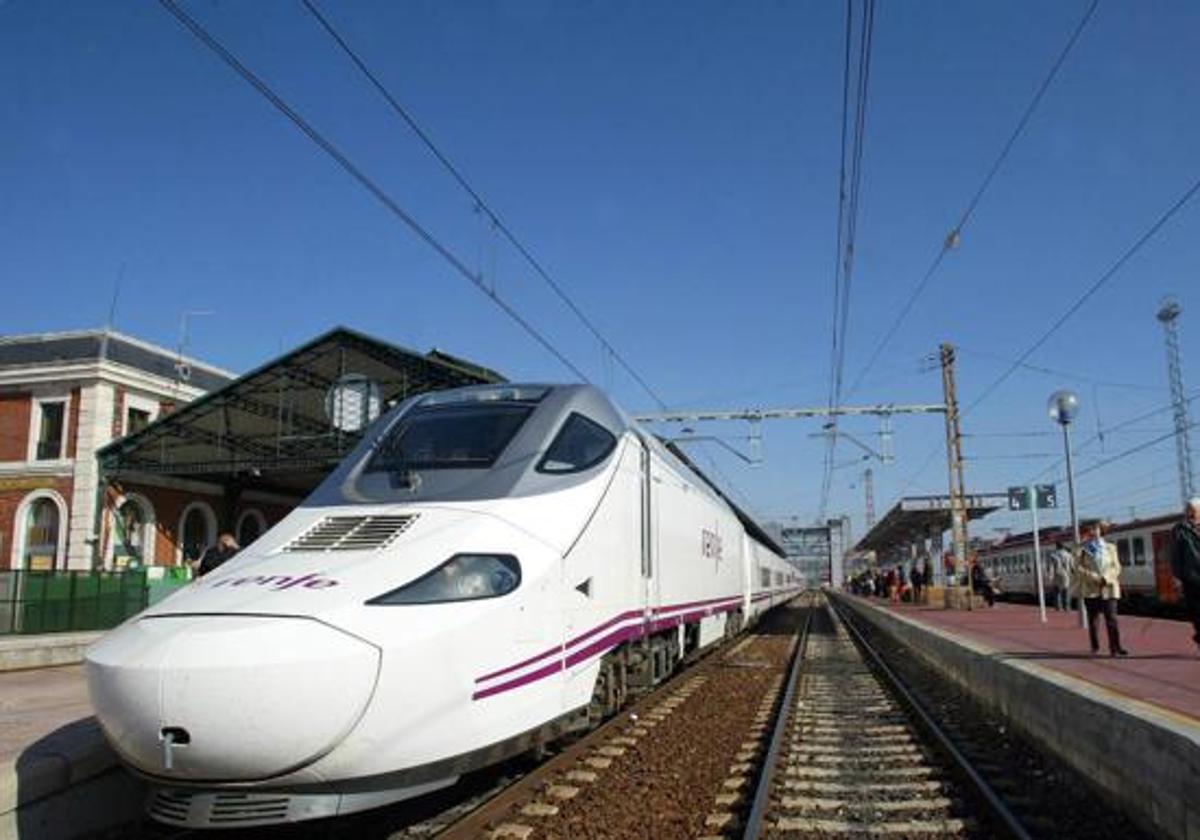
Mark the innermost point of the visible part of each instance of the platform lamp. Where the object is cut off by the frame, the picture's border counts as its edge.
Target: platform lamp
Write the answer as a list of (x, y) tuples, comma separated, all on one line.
[(1063, 407)]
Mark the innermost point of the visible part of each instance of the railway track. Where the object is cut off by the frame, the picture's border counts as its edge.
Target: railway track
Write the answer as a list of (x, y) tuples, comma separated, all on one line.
[(853, 753), (675, 765)]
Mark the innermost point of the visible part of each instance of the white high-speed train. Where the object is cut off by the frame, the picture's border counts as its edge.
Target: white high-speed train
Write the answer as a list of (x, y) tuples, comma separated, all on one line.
[(492, 567)]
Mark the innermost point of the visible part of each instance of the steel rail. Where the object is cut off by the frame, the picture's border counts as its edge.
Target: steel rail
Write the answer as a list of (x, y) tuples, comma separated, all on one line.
[(762, 794), (1001, 811)]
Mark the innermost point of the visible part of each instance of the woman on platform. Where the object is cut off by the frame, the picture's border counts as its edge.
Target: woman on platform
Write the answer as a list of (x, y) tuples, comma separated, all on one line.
[(1098, 572)]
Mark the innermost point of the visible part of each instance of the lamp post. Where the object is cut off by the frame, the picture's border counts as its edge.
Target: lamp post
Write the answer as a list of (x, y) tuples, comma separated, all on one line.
[(1063, 407)]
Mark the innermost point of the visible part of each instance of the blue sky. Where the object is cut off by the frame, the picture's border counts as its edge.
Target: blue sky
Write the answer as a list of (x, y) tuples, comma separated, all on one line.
[(675, 166)]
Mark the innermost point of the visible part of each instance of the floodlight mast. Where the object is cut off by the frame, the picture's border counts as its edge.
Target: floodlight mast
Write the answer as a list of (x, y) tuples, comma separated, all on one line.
[(1168, 313)]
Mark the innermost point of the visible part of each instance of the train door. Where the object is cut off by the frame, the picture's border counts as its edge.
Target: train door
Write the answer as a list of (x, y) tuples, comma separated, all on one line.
[(747, 576), (649, 534), (600, 581), (1165, 585)]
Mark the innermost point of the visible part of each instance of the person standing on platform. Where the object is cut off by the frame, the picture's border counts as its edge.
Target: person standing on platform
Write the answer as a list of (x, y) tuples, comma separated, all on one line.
[(981, 583), (1059, 575), (918, 583), (216, 556), (1185, 562), (1099, 573)]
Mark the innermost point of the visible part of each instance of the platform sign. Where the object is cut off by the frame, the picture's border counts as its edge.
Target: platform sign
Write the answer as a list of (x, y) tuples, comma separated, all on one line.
[(1031, 499), (1021, 498), (1047, 496), (1018, 498)]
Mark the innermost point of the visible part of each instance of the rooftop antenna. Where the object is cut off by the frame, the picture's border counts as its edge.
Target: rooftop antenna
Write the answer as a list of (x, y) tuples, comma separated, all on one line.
[(112, 311)]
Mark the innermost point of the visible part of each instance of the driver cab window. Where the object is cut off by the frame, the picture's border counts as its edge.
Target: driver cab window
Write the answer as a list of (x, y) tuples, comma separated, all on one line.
[(580, 444)]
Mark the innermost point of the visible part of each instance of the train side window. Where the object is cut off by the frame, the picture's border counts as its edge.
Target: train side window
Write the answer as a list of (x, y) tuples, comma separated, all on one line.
[(1139, 551), (764, 578), (581, 443), (1123, 551)]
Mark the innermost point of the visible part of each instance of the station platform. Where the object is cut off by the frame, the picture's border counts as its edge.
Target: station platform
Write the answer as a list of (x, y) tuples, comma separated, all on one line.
[(18, 653), (57, 773), (1163, 666), (1130, 724)]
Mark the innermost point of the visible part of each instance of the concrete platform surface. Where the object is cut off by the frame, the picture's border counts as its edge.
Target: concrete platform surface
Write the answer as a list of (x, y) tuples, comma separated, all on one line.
[(1163, 667), (43, 651), (51, 747), (35, 703)]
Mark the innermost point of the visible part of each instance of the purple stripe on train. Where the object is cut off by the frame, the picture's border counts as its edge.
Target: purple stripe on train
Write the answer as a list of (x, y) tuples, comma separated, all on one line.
[(625, 616), (608, 641)]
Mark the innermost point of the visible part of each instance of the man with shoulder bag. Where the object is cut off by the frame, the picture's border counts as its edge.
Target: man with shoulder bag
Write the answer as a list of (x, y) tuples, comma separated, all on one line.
[(1185, 562)]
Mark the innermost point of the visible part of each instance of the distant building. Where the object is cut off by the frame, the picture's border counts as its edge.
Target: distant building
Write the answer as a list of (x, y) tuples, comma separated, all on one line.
[(63, 396)]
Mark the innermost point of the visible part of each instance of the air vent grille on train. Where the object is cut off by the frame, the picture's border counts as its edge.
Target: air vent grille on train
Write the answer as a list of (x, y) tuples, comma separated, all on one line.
[(247, 809), (352, 533), (171, 806), (208, 808)]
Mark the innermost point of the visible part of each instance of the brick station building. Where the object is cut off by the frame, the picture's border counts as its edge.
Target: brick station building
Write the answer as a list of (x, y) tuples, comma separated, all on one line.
[(63, 396), (116, 452)]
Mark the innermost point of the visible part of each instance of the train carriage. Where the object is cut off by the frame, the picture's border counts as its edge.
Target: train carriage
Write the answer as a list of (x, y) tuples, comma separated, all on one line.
[(1141, 544)]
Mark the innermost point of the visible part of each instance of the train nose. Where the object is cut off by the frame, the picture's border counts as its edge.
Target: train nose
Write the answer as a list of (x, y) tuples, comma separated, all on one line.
[(228, 698)]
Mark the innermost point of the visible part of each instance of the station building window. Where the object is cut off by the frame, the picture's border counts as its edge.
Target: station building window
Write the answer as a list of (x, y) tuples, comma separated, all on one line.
[(133, 533), (140, 412), (41, 535), (197, 531), (136, 419), (51, 430), (250, 526)]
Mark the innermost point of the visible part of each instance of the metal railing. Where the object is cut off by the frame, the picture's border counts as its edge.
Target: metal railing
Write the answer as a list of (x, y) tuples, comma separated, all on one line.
[(64, 601)]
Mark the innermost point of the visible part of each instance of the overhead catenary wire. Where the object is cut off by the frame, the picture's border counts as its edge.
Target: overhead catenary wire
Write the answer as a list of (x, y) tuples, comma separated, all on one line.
[(1105, 277), (365, 181), (849, 190), (955, 236), (1049, 371), (1133, 450), (499, 224), (1091, 290), (1124, 424)]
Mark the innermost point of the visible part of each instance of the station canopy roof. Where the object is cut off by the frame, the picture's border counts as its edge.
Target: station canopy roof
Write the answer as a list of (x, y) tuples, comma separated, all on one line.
[(285, 425), (917, 517)]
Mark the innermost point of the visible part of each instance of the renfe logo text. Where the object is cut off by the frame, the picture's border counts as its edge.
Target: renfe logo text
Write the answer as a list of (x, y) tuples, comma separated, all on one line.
[(277, 582)]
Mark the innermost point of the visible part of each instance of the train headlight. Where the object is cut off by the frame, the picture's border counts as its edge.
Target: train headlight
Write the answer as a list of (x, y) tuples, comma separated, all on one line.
[(464, 577)]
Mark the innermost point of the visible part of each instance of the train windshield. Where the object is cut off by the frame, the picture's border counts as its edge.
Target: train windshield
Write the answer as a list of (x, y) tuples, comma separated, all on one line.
[(465, 436)]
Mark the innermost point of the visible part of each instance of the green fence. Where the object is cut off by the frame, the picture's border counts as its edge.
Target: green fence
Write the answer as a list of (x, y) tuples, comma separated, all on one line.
[(59, 602)]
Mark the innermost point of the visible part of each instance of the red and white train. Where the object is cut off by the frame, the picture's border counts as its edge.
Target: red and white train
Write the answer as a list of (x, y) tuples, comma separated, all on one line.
[(1141, 545)]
